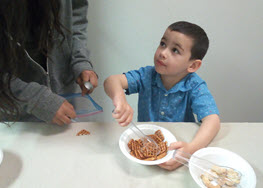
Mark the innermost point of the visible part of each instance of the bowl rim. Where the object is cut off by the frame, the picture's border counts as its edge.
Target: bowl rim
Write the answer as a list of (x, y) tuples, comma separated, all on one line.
[(156, 162)]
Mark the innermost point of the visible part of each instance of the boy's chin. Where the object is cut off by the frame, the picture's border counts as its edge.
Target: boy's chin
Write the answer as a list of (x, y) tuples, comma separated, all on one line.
[(159, 70)]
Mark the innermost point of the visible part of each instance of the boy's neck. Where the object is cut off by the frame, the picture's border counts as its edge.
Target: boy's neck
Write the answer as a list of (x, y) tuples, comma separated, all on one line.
[(170, 81)]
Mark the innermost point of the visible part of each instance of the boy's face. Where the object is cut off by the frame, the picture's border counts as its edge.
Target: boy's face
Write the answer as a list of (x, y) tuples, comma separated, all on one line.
[(172, 57)]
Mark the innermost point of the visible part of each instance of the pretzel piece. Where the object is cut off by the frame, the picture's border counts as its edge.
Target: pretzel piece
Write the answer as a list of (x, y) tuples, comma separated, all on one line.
[(83, 132), (159, 134)]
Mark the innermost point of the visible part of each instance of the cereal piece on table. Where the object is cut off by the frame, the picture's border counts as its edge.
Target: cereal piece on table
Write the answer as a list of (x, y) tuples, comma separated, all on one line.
[(83, 132)]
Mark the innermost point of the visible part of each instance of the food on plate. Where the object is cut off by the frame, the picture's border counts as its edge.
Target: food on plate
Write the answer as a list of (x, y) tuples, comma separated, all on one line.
[(139, 151), (83, 132), (228, 178)]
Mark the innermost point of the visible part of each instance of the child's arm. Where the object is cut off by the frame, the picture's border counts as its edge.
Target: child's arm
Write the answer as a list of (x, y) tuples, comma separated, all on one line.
[(114, 86), (208, 130), (206, 133)]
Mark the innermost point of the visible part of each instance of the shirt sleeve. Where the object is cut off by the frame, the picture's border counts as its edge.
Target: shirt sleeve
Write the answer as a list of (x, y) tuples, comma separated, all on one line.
[(80, 59), (36, 99), (202, 102), (137, 79)]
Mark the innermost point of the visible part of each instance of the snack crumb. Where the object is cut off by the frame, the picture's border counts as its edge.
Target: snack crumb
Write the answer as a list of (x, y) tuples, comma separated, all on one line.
[(83, 132)]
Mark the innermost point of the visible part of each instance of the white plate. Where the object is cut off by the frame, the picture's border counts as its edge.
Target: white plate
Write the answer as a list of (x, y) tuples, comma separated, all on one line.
[(1, 156), (224, 157), (147, 129)]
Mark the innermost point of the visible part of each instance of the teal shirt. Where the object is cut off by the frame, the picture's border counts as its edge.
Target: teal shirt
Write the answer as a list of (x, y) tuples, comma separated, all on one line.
[(189, 96)]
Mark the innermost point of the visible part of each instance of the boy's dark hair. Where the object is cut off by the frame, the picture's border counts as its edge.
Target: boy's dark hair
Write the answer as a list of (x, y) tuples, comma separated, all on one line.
[(200, 39)]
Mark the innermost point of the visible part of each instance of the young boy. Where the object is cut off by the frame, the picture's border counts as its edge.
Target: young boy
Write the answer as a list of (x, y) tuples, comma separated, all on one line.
[(170, 91)]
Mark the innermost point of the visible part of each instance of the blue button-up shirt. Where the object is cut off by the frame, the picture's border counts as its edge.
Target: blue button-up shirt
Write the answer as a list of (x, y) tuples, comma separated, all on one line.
[(189, 96)]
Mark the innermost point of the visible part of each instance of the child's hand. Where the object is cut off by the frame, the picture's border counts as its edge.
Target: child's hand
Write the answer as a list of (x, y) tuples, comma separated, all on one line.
[(123, 113), (87, 76), (64, 114), (173, 164)]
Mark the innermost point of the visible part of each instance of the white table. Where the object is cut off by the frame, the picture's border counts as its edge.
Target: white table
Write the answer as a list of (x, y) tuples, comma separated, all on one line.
[(38, 155)]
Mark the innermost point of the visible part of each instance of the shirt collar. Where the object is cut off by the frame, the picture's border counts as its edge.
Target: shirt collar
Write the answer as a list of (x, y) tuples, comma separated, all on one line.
[(182, 85)]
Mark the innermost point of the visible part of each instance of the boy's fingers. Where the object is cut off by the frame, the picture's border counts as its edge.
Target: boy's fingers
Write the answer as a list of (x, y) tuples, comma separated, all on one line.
[(169, 163), (117, 109), (123, 118), (175, 145), (170, 167), (129, 119), (116, 116), (124, 124), (117, 113)]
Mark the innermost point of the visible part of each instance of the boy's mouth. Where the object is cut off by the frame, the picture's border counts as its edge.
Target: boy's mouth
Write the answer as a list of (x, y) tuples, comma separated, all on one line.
[(158, 62)]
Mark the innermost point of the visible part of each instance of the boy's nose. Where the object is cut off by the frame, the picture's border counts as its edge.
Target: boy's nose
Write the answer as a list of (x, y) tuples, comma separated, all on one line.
[(163, 53)]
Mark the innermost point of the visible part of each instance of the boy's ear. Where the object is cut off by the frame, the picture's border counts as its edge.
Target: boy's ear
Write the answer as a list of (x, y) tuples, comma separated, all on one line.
[(195, 65)]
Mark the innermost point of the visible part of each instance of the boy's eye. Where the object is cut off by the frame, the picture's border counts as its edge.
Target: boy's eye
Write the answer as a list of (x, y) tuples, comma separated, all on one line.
[(175, 50), (162, 44)]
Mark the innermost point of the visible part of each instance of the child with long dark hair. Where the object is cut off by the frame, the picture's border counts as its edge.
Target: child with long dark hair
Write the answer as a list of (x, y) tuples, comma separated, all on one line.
[(43, 54)]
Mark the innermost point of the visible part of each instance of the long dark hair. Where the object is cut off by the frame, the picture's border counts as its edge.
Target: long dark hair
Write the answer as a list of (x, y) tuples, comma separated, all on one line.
[(18, 19)]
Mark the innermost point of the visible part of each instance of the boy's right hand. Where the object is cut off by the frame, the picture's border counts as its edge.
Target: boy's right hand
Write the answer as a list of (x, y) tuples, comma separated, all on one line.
[(64, 114), (123, 113)]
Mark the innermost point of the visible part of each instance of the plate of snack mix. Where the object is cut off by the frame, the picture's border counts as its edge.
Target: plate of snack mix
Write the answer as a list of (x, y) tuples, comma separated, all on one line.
[(129, 144), (229, 166)]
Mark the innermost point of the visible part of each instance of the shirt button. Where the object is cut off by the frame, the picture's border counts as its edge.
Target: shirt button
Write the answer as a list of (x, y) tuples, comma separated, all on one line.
[(165, 95), (162, 113)]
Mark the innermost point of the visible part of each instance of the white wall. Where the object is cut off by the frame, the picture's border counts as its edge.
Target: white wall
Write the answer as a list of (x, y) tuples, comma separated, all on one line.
[(123, 35)]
